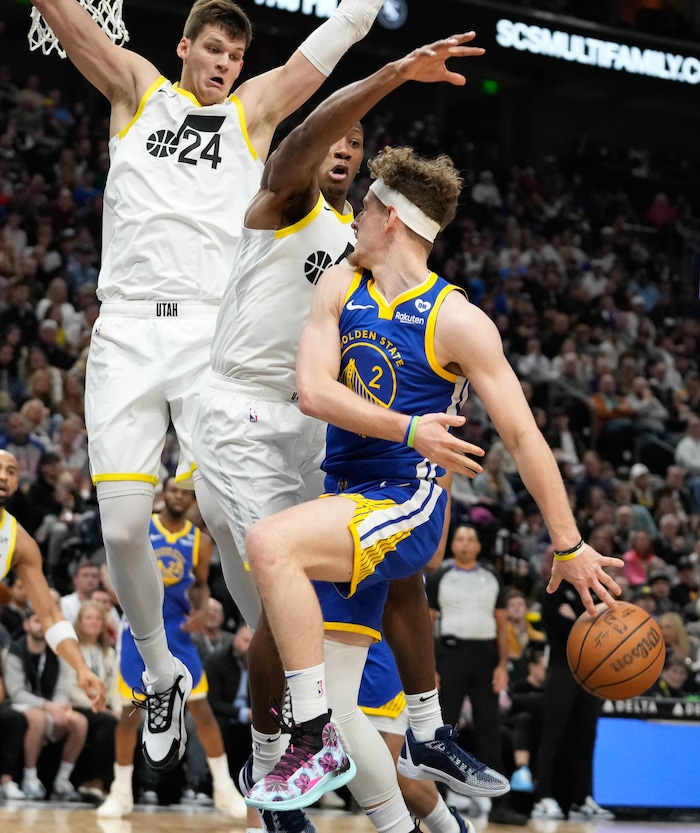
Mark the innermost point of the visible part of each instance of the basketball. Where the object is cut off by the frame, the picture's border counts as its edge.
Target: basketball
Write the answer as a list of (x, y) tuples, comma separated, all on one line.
[(617, 654)]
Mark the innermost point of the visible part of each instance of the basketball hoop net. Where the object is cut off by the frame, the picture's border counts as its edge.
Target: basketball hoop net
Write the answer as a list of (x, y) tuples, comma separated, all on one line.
[(107, 13)]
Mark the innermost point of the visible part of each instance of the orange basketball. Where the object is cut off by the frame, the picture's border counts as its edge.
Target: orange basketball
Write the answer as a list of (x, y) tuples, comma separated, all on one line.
[(618, 654)]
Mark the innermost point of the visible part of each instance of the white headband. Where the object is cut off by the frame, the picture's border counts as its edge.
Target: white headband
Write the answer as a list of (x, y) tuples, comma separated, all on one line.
[(408, 212)]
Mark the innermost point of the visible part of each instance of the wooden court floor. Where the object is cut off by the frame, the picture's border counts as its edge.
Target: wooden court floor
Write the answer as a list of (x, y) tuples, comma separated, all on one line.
[(26, 817)]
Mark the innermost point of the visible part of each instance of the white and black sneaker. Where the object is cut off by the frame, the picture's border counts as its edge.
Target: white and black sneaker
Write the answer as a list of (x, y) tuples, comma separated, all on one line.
[(590, 810), (164, 734)]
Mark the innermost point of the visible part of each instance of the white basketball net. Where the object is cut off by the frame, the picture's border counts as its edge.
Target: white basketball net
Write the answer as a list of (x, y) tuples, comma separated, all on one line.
[(107, 13)]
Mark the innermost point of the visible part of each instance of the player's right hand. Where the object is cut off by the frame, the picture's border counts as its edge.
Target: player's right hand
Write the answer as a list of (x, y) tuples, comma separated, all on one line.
[(434, 441)]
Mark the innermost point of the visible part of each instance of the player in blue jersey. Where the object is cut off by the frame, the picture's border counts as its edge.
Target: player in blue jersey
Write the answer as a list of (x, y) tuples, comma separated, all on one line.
[(386, 354), (183, 555)]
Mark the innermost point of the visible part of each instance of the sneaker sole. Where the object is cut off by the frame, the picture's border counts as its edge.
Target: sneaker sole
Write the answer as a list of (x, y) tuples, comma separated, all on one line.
[(425, 773), (175, 755), (326, 784)]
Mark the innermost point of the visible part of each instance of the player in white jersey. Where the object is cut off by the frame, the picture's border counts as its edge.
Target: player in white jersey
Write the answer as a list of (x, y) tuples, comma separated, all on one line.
[(19, 552), (185, 161), (256, 451)]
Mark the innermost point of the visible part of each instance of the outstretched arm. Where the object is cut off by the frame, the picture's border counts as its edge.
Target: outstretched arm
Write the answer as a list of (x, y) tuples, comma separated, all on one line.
[(120, 75), (466, 336), (27, 562), (292, 168)]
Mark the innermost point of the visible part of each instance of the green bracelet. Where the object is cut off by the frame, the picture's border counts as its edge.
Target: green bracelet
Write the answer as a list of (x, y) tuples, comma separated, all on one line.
[(410, 434)]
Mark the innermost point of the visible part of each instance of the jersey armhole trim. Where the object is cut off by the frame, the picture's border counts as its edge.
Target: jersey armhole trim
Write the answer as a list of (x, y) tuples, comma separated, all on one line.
[(144, 98)]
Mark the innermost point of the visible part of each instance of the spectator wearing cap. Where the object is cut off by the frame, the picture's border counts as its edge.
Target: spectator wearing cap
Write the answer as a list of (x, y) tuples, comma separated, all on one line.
[(644, 598), (660, 583), (686, 591), (640, 484)]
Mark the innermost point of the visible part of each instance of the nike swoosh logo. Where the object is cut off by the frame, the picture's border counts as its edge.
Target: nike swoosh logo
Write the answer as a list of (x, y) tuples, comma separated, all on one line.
[(429, 697), (352, 306)]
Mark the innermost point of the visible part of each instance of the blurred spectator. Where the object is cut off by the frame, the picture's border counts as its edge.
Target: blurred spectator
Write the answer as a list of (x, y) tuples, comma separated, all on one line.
[(70, 446), (659, 583), (613, 420), (28, 450), (12, 730), (639, 559), (640, 483), (673, 680), (673, 487), (687, 455), (56, 355), (86, 579), (10, 381), (212, 636), (686, 591), (15, 612), (97, 760), (520, 631), (227, 673), (18, 310), (112, 618), (670, 544), (37, 684), (491, 486), (678, 640)]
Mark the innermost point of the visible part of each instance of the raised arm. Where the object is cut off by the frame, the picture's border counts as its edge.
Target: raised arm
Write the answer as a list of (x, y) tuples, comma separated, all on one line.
[(27, 562), (120, 75), (293, 167)]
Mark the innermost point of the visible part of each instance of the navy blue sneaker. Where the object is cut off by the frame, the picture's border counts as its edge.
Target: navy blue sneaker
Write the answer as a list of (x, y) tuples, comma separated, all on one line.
[(276, 821), (465, 826), (442, 759)]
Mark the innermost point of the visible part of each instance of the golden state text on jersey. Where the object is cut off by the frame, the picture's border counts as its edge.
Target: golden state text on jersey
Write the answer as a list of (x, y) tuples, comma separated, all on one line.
[(388, 358)]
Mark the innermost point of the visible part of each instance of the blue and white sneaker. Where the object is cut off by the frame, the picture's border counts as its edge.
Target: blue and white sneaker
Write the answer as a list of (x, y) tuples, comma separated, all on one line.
[(465, 826), (442, 759), (313, 764), (164, 735), (521, 780), (275, 821)]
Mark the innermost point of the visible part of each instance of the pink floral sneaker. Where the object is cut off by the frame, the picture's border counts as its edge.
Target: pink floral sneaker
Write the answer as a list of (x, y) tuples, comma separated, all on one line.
[(314, 763)]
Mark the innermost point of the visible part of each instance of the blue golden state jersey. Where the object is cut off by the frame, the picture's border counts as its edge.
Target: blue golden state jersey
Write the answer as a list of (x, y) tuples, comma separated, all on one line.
[(388, 357), (381, 692), (177, 554)]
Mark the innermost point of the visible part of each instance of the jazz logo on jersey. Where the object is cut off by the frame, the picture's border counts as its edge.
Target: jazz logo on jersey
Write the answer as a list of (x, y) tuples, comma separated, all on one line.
[(198, 140)]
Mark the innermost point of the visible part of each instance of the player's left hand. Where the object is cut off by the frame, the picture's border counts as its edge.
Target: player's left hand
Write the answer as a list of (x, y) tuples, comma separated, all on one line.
[(93, 686), (586, 572), (427, 63)]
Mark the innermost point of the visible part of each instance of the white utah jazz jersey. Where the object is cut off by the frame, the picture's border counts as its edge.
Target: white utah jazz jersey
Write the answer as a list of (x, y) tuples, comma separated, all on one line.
[(8, 539), (267, 301), (180, 180)]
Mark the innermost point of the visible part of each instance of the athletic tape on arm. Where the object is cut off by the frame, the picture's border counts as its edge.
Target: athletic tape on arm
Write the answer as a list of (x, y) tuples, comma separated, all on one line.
[(351, 21)]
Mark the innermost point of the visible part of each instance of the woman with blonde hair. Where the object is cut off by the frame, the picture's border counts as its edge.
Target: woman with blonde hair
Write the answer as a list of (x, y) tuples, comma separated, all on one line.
[(97, 758), (678, 640)]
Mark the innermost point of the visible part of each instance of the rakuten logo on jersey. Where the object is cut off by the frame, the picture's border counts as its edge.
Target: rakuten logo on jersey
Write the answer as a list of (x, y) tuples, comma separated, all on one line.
[(407, 318)]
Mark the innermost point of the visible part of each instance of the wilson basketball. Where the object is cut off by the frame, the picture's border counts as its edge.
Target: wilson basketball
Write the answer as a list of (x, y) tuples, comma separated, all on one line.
[(617, 654)]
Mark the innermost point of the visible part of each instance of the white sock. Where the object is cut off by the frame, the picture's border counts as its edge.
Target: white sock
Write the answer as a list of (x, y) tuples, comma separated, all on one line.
[(307, 689), (160, 668), (123, 776), (267, 750), (424, 714), (441, 820), (65, 770), (219, 770), (30, 773), (392, 816)]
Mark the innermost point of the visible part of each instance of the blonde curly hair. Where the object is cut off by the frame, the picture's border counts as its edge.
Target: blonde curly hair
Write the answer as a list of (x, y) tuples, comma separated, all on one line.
[(433, 185)]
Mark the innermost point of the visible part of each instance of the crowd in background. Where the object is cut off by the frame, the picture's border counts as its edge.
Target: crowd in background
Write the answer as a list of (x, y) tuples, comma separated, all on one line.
[(592, 286)]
